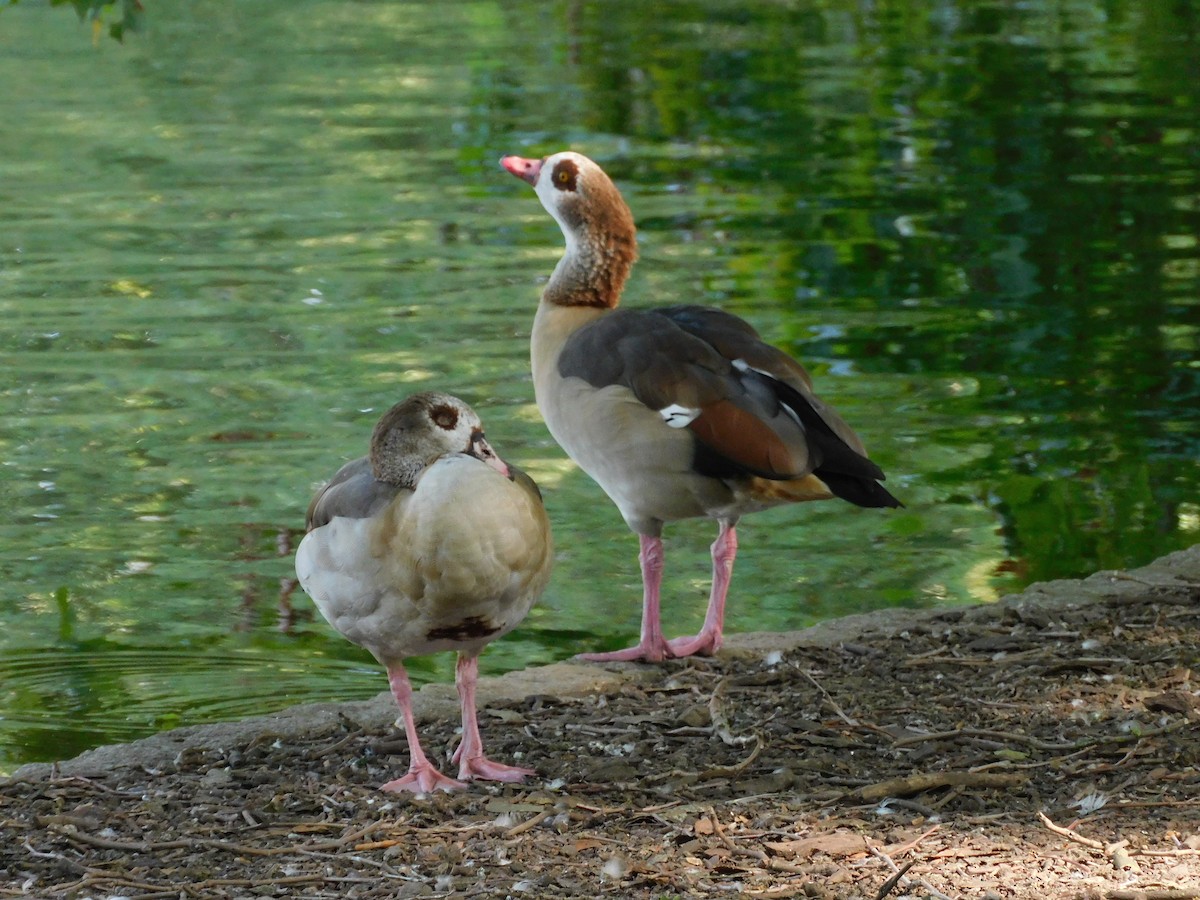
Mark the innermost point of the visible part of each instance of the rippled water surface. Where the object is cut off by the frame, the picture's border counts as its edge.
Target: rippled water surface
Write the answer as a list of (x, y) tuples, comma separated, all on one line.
[(227, 244)]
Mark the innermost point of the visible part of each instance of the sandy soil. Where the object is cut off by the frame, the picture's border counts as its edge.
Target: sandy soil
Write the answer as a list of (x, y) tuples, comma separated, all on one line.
[(1044, 747)]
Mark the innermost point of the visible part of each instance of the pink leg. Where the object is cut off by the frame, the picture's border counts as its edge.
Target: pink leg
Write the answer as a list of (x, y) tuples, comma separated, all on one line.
[(422, 777), (708, 641), (652, 647), (469, 755)]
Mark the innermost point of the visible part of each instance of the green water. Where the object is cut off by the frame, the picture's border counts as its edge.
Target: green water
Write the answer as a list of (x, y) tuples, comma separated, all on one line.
[(228, 244)]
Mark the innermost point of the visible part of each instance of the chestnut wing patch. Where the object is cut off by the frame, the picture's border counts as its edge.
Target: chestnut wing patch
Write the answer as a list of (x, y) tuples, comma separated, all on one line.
[(746, 440)]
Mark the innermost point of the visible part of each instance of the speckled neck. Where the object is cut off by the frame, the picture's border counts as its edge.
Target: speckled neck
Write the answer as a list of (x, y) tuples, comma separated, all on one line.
[(589, 275), (601, 250)]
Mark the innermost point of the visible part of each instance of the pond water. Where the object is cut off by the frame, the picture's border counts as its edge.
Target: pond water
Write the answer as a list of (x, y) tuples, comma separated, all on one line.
[(229, 243)]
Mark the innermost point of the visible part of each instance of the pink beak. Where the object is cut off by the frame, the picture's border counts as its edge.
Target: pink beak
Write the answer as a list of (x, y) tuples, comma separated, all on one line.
[(499, 465), (482, 450), (525, 169)]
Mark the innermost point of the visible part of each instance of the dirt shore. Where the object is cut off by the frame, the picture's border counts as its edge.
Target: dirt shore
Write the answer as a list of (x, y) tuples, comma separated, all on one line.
[(1047, 746)]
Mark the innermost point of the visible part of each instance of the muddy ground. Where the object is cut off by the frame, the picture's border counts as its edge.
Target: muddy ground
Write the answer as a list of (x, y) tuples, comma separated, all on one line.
[(1044, 747)]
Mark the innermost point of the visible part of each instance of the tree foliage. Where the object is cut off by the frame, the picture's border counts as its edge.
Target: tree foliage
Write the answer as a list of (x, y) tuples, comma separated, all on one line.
[(95, 11)]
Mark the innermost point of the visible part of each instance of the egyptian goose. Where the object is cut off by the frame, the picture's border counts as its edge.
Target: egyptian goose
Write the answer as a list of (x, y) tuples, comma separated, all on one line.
[(431, 542), (677, 412)]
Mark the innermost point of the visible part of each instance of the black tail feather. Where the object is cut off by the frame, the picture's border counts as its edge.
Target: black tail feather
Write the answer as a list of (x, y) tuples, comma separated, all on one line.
[(859, 491)]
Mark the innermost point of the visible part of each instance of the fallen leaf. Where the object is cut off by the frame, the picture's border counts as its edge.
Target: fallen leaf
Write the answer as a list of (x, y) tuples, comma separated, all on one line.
[(836, 843)]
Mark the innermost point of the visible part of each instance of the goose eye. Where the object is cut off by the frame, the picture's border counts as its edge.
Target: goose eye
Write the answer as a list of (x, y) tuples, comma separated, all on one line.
[(565, 175), (445, 417)]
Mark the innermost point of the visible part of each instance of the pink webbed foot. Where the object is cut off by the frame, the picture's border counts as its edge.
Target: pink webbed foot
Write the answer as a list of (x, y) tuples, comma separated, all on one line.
[(645, 651), (652, 646), (481, 767), (423, 779), (702, 644), (469, 755), (708, 641)]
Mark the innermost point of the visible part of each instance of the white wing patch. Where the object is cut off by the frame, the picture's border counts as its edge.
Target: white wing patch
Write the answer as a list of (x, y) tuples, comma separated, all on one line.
[(678, 416), (742, 366)]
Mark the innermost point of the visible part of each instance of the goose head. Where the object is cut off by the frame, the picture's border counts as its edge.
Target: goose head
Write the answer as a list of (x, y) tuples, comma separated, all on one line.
[(420, 430), (596, 224)]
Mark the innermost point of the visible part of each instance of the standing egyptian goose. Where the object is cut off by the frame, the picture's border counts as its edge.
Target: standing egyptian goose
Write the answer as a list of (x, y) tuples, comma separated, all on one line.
[(429, 543), (677, 412)]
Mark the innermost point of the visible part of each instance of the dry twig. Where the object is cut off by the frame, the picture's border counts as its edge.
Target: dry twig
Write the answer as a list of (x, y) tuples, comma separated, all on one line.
[(928, 781), (841, 714), (1069, 834), (720, 717), (888, 886)]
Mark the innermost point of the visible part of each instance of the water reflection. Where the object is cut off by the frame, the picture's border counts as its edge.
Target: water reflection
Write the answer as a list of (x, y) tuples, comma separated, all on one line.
[(976, 222)]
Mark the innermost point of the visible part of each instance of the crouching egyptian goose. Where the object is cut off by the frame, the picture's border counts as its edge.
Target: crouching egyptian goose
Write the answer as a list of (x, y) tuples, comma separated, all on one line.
[(431, 542), (677, 412)]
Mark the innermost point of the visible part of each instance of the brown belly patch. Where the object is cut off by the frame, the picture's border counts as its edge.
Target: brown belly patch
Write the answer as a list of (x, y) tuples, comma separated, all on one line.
[(469, 629)]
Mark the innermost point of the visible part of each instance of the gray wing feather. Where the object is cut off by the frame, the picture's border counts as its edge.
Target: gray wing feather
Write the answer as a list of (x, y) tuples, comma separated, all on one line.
[(353, 493)]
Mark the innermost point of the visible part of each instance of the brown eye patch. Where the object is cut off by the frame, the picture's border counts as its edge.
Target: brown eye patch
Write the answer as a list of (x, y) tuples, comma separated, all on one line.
[(444, 417), (565, 175)]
